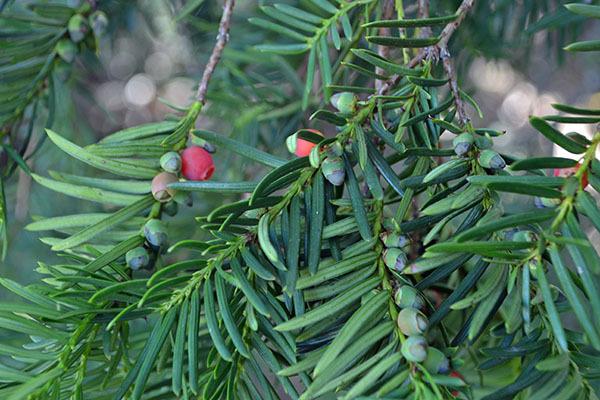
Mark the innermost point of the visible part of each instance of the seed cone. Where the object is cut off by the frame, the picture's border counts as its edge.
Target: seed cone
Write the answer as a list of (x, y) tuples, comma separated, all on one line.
[(333, 170), (137, 258), (77, 27), (436, 362), (490, 159), (155, 232), (408, 296), (394, 258), (463, 143), (412, 321), (414, 348)]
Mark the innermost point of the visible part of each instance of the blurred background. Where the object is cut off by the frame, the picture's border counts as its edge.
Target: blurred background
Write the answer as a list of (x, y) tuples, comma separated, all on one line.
[(154, 53)]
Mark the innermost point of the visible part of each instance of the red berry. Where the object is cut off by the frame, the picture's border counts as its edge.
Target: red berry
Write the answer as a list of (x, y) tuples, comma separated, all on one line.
[(196, 164), (303, 147), (455, 374), (566, 172)]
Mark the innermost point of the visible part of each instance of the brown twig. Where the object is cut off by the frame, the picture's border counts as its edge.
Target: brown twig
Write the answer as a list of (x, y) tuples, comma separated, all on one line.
[(437, 51), (215, 56)]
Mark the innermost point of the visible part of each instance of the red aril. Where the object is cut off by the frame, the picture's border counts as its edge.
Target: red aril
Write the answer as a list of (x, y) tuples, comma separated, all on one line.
[(196, 164)]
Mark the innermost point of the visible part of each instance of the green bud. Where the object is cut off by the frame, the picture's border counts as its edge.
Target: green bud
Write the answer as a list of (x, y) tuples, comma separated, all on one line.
[(137, 258), (579, 138), (345, 102), (155, 232), (184, 198), (394, 258), (98, 21), (436, 362), (570, 187), (66, 50), (412, 321), (409, 297), (414, 349), (335, 149), (523, 236), (171, 162), (290, 142), (483, 142), (393, 239), (77, 27), (333, 170), (462, 143), (491, 159)]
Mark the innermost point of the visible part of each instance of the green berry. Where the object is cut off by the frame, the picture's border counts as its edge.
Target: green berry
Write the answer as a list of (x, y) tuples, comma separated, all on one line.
[(344, 102), (290, 142), (393, 239), (137, 258), (412, 321), (394, 258), (333, 170), (436, 362), (463, 143), (155, 232), (171, 162), (414, 349), (98, 21), (490, 159), (66, 50), (77, 27), (408, 296)]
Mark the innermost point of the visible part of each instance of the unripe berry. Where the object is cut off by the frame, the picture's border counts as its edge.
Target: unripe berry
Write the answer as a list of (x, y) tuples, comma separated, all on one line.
[(196, 164), (333, 170), (299, 146), (66, 50), (171, 162), (490, 159), (394, 258), (408, 296), (77, 27), (567, 172), (98, 22), (436, 362), (159, 186), (463, 143), (155, 232), (137, 258), (393, 239), (412, 321), (414, 349), (345, 102)]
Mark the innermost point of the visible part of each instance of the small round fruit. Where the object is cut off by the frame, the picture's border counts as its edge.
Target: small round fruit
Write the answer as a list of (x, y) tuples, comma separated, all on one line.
[(333, 170), (155, 232), (98, 21), (171, 162), (436, 362), (137, 258), (463, 143), (393, 239), (301, 147), (567, 172), (412, 321), (344, 102), (408, 296), (490, 159), (394, 258), (159, 186), (66, 50), (77, 27), (414, 349), (196, 164)]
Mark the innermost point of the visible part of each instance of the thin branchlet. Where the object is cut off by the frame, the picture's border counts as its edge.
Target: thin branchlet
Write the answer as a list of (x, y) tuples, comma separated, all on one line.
[(217, 52)]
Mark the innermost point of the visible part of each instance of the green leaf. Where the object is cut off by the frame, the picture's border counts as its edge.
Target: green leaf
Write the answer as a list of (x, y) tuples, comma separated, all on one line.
[(87, 193), (214, 187), (575, 110), (587, 10), (113, 166), (309, 78), (403, 42), (555, 323), (587, 204), (357, 201), (411, 23), (331, 307), (586, 45), (370, 378), (212, 321), (542, 163), (555, 136), (335, 270), (317, 218), (510, 221), (179, 349), (536, 180), (116, 185), (139, 132), (192, 340), (481, 247), (252, 296), (106, 224), (240, 148), (553, 363)]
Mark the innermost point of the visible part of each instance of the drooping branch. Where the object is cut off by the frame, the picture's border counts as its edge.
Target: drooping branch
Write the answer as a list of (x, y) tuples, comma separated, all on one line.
[(215, 56)]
